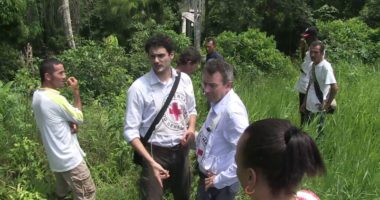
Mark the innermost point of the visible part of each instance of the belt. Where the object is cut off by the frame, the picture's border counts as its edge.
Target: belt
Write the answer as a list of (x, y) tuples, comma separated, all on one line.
[(164, 149)]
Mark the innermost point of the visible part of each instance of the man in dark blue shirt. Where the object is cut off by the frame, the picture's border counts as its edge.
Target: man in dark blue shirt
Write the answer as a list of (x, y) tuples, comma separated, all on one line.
[(211, 49)]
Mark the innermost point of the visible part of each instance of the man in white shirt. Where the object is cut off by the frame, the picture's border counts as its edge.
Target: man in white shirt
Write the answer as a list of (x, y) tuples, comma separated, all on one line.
[(309, 36), (165, 162), (57, 120), (323, 74), (217, 139)]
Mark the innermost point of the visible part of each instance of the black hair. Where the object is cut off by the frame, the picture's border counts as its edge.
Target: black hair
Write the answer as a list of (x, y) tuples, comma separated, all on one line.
[(189, 54), (47, 66), (282, 152), (219, 65), (211, 39), (160, 40)]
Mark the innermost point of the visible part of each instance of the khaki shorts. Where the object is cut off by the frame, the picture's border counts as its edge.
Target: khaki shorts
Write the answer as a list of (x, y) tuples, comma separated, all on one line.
[(77, 180)]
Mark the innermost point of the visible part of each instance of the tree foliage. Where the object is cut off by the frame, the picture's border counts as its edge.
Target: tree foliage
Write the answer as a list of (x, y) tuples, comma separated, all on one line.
[(370, 13), (253, 52), (282, 19), (350, 40)]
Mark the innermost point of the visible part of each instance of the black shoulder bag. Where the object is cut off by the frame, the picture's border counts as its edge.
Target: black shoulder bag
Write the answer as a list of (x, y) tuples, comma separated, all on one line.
[(137, 158), (319, 93)]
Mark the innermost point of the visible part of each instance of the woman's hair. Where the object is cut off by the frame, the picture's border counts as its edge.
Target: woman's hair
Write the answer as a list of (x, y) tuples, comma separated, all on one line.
[(282, 153), (189, 54)]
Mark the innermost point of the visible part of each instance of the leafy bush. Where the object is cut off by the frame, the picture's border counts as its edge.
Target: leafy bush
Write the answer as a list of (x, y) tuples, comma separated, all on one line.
[(26, 170), (101, 69), (326, 13), (350, 39), (253, 52), (10, 62)]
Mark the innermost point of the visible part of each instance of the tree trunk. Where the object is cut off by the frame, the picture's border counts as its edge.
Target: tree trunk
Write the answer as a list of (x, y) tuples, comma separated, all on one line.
[(197, 6), (67, 23)]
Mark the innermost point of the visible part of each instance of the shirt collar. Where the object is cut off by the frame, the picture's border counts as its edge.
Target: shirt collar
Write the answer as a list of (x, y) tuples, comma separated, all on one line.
[(49, 90), (155, 80), (219, 106)]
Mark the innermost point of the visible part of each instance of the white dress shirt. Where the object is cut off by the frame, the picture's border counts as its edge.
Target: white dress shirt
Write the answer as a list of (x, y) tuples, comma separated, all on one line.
[(146, 97), (218, 137)]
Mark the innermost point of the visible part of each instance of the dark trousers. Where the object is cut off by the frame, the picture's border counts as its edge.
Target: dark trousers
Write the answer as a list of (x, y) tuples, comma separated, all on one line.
[(226, 193), (320, 116), (175, 160), (302, 97)]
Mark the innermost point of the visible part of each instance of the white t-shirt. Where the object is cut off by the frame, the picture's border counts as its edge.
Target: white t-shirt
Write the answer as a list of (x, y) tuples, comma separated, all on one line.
[(303, 80), (218, 137), (146, 96), (53, 115), (325, 77)]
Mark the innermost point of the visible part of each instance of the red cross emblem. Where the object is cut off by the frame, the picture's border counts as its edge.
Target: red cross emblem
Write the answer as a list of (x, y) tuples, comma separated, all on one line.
[(175, 110)]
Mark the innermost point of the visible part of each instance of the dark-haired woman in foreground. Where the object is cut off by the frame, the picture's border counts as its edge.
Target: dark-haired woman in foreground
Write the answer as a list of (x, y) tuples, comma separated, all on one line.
[(272, 158)]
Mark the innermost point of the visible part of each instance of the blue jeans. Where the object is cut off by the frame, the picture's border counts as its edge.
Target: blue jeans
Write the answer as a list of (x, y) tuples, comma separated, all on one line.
[(226, 193)]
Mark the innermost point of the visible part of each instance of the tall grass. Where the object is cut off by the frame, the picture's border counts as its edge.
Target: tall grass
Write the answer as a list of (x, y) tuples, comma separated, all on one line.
[(351, 143)]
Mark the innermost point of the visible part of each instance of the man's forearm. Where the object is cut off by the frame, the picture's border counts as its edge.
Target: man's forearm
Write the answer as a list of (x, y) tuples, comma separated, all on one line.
[(192, 122), (77, 101), (333, 91), (139, 147)]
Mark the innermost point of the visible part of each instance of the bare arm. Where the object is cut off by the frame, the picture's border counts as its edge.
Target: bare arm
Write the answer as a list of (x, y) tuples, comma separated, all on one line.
[(333, 91), (73, 83), (189, 135)]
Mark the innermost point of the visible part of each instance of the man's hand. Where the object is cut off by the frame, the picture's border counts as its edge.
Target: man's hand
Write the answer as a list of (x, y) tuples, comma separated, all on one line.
[(189, 136), (73, 83), (209, 181), (74, 128), (159, 172), (325, 106)]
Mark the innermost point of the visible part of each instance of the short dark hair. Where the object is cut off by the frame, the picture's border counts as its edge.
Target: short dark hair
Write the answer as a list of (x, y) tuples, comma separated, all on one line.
[(189, 54), (160, 40), (318, 43), (282, 152), (47, 66), (211, 39), (219, 65)]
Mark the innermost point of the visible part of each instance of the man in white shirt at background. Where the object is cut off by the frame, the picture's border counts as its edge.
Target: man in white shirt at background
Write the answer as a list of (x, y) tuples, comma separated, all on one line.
[(321, 73)]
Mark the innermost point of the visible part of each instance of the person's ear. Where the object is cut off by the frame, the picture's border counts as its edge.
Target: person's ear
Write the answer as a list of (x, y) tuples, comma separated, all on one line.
[(47, 76), (229, 84), (249, 189), (171, 55)]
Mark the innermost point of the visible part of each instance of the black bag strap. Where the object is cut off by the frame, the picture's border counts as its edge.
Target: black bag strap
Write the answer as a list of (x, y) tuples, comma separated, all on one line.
[(162, 111), (318, 91)]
